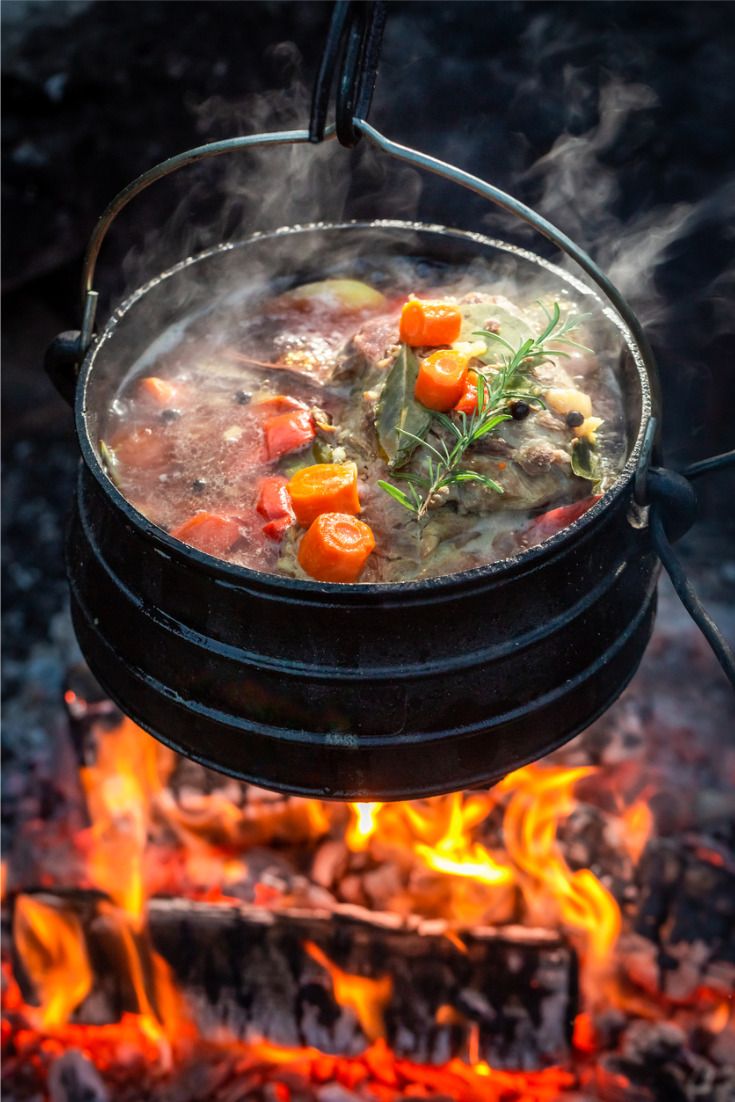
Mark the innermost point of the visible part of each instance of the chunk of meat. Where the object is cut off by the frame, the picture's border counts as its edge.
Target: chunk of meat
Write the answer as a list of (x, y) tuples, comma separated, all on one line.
[(539, 456)]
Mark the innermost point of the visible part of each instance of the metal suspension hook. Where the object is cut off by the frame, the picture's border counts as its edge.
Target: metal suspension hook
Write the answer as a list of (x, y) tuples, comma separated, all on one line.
[(355, 31)]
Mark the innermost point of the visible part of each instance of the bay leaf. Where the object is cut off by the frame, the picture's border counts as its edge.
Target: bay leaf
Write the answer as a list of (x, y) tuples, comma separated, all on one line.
[(397, 411), (475, 315), (586, 460)]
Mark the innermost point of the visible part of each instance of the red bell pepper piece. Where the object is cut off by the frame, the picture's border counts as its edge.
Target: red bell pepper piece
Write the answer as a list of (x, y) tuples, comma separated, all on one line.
[(274, 504), (213, 533), (556, 519), (287, 432)]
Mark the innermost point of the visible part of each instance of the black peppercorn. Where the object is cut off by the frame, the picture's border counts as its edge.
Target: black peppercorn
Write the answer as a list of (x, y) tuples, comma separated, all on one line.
[(199, 485), (519, 410), (243, 397), (574, 419), (170, 415)]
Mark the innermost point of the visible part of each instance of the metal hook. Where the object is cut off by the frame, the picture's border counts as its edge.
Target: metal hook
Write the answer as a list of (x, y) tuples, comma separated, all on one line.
[(356, 29)]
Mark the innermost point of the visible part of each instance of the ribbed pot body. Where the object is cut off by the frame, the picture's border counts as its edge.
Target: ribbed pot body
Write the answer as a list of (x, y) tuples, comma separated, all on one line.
[(356, 692)]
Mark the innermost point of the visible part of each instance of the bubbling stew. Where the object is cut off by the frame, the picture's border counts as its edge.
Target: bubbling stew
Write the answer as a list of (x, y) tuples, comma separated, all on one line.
[(411, 423)]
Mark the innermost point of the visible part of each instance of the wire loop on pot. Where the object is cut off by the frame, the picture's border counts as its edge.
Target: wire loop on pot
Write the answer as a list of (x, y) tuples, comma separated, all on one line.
[(361, 24)]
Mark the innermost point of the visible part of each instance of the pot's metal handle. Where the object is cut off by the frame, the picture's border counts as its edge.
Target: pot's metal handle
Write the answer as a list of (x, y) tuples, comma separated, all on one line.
[(121, 200)]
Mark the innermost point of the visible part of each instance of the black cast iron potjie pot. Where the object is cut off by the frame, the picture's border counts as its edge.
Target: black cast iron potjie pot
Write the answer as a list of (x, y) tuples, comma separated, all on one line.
[(364, 691)]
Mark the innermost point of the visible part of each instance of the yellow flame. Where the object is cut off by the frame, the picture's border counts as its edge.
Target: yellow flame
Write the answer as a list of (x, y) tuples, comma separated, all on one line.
[(362, 826), (453, 853), (52, 948)]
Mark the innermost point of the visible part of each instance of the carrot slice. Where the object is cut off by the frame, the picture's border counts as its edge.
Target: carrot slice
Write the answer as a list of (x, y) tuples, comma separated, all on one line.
[(324, 488), (213, 533), (426, 323), (336, 548), (144, 448), (287, 432), (160, 390), (441, 380)]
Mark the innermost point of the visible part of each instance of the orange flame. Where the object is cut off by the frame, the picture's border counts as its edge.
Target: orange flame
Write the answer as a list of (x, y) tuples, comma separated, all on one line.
[(52, 948), (131, 768), (541, 798), (637, 823), (366, 997)]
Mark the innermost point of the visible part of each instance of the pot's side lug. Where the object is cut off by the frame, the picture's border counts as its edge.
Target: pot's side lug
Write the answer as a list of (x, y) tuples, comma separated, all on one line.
[(61, 362)]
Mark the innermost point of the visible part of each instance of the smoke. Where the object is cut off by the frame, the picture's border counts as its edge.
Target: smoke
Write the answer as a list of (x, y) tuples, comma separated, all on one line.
[(581, 193), (230, 196)]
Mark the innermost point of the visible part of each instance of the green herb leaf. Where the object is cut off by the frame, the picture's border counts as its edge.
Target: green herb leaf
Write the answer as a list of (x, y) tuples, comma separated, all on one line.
[(400, 421), (586, 460), (398, 495), (475, 476)]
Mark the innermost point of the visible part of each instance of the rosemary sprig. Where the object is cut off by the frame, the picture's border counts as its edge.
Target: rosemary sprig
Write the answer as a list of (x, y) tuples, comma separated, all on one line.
[(508, 383)]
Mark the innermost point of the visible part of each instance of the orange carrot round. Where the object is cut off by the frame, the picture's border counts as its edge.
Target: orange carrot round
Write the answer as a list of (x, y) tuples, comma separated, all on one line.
[(426, 323), (324, 488), (336, 548), (441, 380)]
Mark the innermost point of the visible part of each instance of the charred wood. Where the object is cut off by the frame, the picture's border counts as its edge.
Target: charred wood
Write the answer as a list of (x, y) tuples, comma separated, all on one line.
[(687, 910), (513, 989), (507, 995)]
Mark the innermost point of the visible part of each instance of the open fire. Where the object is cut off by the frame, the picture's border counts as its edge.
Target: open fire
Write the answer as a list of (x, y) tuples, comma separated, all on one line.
[(193, 937)]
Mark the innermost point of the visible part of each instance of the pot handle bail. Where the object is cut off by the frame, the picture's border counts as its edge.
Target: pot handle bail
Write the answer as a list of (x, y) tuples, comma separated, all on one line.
[(357, 28)]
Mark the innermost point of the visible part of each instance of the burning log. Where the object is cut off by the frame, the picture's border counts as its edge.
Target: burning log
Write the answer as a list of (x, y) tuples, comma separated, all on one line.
[(337, 980)]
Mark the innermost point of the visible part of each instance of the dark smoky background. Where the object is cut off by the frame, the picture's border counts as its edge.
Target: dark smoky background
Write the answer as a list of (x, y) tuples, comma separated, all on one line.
[(613, 119)]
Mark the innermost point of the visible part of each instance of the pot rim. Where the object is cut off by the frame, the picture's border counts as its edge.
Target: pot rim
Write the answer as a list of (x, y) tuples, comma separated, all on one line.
[(637, 461)]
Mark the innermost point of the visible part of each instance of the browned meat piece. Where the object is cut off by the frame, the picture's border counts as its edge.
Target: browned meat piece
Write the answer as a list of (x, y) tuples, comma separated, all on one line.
[(378, 340), (539, 456)]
